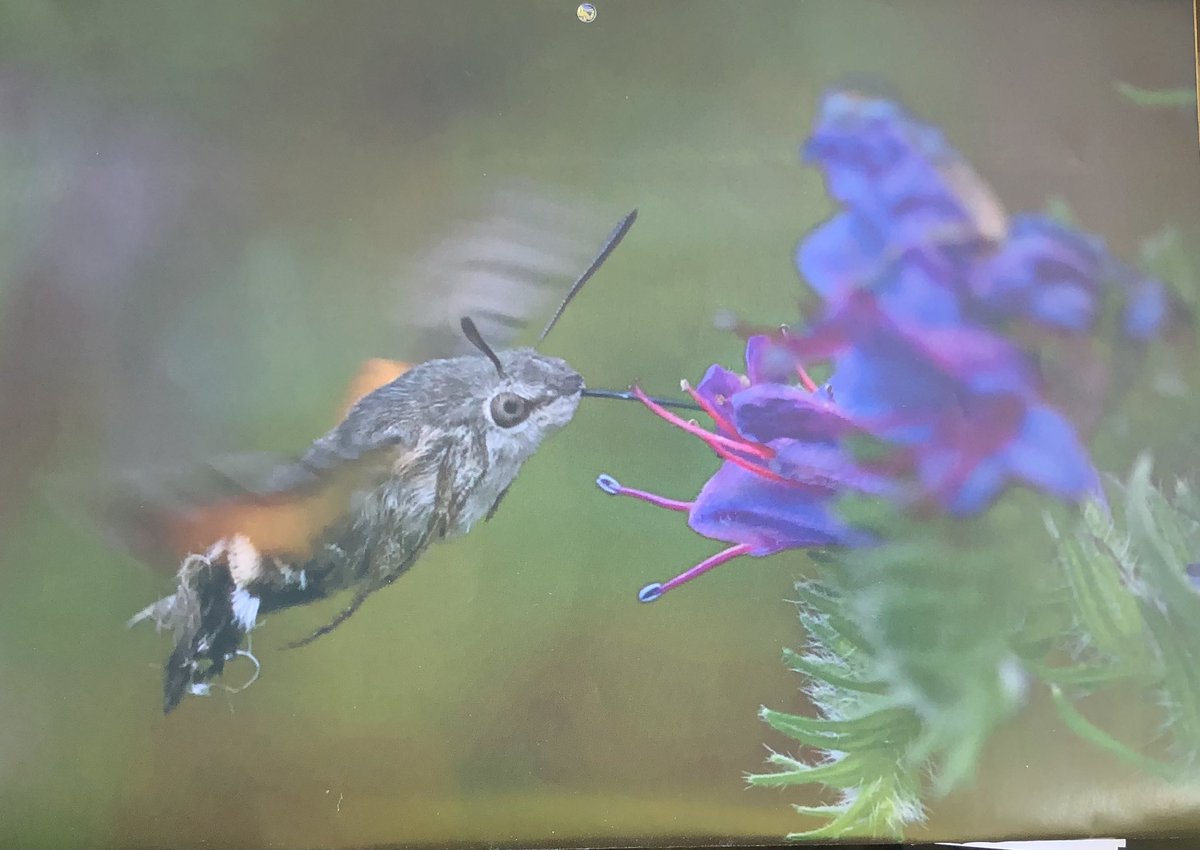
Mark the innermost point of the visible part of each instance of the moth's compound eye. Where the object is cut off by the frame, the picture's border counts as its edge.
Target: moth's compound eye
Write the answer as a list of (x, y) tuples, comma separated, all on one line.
[(509, 409)]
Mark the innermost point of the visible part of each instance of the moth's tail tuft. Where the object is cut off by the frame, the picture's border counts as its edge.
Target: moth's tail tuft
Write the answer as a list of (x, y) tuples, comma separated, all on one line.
[(209, 616)]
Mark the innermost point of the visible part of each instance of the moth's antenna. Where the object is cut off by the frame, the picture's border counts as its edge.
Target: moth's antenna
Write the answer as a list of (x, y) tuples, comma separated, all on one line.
[(473, 336), (610, 245)]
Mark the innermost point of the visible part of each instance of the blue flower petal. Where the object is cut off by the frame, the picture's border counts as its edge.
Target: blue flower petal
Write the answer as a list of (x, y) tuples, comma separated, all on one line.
[(840, 255), (738, 506), (770, 411), (826, 467), (922, 290), (1046, 272), (1146, 310), (769, 362), (899, 173), (974, 357), (718, 385), (981, 486), (1042, 451), (1048, 454), (1063, 305)]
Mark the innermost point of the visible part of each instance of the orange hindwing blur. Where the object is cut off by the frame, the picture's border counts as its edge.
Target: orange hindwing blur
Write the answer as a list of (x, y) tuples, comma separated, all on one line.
[(287, 525)]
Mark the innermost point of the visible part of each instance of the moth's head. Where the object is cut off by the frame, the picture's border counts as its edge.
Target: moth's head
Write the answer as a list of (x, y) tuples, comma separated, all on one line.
[(525, 396), (536, 393)]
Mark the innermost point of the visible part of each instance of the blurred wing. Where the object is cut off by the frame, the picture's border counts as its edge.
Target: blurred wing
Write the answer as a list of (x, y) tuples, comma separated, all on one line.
[(505, 267), (283, 505), (371, 376), (988, 215), (160, 517)]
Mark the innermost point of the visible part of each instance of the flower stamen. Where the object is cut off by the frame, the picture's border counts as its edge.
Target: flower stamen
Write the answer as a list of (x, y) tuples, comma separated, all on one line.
[(806, 379), (714, 440), (613, 487), (718, 416), (751, 466), (654, 590)]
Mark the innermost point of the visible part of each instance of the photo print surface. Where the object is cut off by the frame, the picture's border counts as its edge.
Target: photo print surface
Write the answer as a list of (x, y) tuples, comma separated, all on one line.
[(542, 424)]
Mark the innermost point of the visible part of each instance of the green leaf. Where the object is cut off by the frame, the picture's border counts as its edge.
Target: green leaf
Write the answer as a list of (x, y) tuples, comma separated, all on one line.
[(1157, 98), (835, 675), (848, 820), (830, 614), (880, 728), (1085, 729), (845, 772), (1089, 676), (1165, 256), (1108, 615)]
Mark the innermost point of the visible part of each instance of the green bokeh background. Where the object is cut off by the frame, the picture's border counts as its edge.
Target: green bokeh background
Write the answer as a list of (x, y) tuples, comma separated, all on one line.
[(509, 689)]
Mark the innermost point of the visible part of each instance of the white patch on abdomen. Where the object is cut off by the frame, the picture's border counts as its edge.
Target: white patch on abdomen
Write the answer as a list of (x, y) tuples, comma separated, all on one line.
[(245, 608), (242, 557)]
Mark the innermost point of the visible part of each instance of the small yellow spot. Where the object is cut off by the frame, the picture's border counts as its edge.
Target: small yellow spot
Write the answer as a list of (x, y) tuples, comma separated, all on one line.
[(586, 12)]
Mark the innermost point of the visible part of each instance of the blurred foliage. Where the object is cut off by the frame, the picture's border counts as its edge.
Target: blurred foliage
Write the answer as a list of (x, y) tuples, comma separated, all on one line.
[(1165, 256), (1134, 616), (911, 662), (909, 688)]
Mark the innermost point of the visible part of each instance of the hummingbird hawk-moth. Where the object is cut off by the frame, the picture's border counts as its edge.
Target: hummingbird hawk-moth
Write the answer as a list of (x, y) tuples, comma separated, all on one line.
[(421, 454)]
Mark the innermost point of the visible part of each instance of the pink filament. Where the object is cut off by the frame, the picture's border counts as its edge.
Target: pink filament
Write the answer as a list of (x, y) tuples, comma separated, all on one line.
[(714, 440), (659, 501), (707, 564), (708, 407), (806, 379), (751, 466)]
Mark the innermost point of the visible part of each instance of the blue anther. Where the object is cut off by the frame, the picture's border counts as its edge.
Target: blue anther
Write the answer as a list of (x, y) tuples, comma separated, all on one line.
[(650, 592), (609, 485)]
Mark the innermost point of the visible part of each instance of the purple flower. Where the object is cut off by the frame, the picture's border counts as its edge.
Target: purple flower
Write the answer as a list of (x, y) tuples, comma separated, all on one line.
[(920, 272), (1057, 277), (910, 197), (1045, 271), (898, 175), (960, 401), (783, 465), (1147, 305)]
